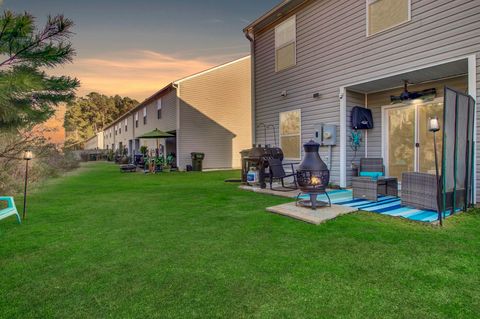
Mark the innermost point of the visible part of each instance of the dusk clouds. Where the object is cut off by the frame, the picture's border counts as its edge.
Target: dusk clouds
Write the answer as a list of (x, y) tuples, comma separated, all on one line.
[(134, 48), (136, 73)]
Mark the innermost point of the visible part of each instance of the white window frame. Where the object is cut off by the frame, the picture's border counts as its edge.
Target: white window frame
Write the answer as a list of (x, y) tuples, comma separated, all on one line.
[(294, 17), (368, 2), (299, 134)]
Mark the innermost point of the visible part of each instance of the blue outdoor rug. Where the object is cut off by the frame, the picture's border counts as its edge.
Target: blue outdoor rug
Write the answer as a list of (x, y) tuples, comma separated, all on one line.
[(386, 205)]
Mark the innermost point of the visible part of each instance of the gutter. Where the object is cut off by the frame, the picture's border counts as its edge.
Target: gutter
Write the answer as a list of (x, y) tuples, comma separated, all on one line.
[(251, 37)]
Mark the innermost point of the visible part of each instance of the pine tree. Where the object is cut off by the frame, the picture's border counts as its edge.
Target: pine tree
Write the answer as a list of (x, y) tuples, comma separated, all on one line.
[(88, 115), (27, 94)]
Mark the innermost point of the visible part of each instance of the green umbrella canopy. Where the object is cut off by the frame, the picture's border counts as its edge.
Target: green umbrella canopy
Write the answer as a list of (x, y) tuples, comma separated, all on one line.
[(156, 133)]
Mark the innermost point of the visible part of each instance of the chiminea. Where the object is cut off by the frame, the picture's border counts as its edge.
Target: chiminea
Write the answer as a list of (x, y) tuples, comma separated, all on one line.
[(313, 177)]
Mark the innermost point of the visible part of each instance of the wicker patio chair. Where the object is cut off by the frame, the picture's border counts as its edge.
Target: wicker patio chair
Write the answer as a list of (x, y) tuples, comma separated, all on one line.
[(419, 190), (370, 188), (372, 165), (277, 172)]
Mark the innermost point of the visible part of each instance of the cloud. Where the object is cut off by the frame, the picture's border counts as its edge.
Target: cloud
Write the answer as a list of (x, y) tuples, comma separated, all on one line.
[(137, 74)]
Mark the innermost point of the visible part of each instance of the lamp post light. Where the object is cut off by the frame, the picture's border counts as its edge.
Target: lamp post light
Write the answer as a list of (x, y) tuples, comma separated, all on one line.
[(27, 156), (434, 127)]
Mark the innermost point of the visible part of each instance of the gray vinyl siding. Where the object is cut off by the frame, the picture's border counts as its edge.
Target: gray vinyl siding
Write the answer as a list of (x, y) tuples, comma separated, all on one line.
[(333, 51), (354, 99)]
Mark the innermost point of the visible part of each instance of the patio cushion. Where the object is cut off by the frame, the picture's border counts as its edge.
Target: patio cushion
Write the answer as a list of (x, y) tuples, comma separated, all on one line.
[(373, 175)]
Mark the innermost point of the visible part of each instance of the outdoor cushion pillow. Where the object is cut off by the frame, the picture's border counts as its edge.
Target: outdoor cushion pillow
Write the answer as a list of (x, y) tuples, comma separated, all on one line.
[(373, 175)]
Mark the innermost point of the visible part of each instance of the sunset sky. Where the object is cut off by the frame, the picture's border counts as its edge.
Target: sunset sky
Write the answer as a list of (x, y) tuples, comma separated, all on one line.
[(133, 48)]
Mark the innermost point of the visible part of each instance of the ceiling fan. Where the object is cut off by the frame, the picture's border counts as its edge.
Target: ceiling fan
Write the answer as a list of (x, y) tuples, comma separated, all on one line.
[(408, 96)]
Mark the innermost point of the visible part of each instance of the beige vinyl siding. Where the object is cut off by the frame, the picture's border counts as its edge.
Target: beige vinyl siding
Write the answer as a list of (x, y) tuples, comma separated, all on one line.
[(95, 143), (215, 115), (109, 141), (167, 123), (333, 51), (124, 137)]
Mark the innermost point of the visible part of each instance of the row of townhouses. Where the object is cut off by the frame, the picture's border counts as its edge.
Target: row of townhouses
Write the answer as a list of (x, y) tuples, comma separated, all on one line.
[(312, 61), (208, 112)]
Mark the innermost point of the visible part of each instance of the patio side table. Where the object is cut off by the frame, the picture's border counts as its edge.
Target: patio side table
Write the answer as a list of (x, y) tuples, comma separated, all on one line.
[(368, 188)]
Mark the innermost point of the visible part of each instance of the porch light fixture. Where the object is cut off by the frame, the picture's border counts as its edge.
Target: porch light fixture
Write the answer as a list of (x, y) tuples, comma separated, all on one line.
[(434, 127), (27, 156)]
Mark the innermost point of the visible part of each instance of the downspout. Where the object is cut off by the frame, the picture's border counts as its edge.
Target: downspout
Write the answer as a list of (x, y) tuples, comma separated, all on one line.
[(134, 151), (176, 86), (251, 37)]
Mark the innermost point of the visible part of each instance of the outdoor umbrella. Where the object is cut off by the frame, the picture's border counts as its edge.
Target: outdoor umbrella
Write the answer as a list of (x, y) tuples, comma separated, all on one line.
[(156, 134)]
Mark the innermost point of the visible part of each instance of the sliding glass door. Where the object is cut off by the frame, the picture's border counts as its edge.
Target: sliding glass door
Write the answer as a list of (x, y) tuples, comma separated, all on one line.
[(400, 141), (409, 144)]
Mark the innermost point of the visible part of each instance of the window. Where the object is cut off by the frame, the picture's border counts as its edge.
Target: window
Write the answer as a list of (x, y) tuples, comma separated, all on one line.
[(385, 14), (290, 134), (126, 125), (159, 109), (286, 44), (144, 116), (136, 119), (116, 130), (119, 129)]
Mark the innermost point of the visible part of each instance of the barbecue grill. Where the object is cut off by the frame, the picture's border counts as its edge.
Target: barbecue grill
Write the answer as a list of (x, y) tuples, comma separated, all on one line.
[(258, 157)]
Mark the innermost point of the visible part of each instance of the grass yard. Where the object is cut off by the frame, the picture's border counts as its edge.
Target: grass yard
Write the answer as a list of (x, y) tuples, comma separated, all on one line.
[(102, 244)]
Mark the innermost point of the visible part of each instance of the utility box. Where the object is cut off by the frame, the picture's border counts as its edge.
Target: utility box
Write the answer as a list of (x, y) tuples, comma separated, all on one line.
[(326, 134)]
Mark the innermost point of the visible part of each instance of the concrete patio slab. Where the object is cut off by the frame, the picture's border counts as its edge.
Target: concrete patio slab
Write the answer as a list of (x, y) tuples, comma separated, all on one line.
[(268, 191), (308, 215)]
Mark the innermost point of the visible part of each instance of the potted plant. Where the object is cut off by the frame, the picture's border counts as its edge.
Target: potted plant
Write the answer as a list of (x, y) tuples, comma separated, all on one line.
[(170, 162), (110, 155), (159, 163)]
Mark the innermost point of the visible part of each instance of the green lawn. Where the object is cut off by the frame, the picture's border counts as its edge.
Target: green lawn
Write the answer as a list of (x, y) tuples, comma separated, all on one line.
[(103, 244)]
